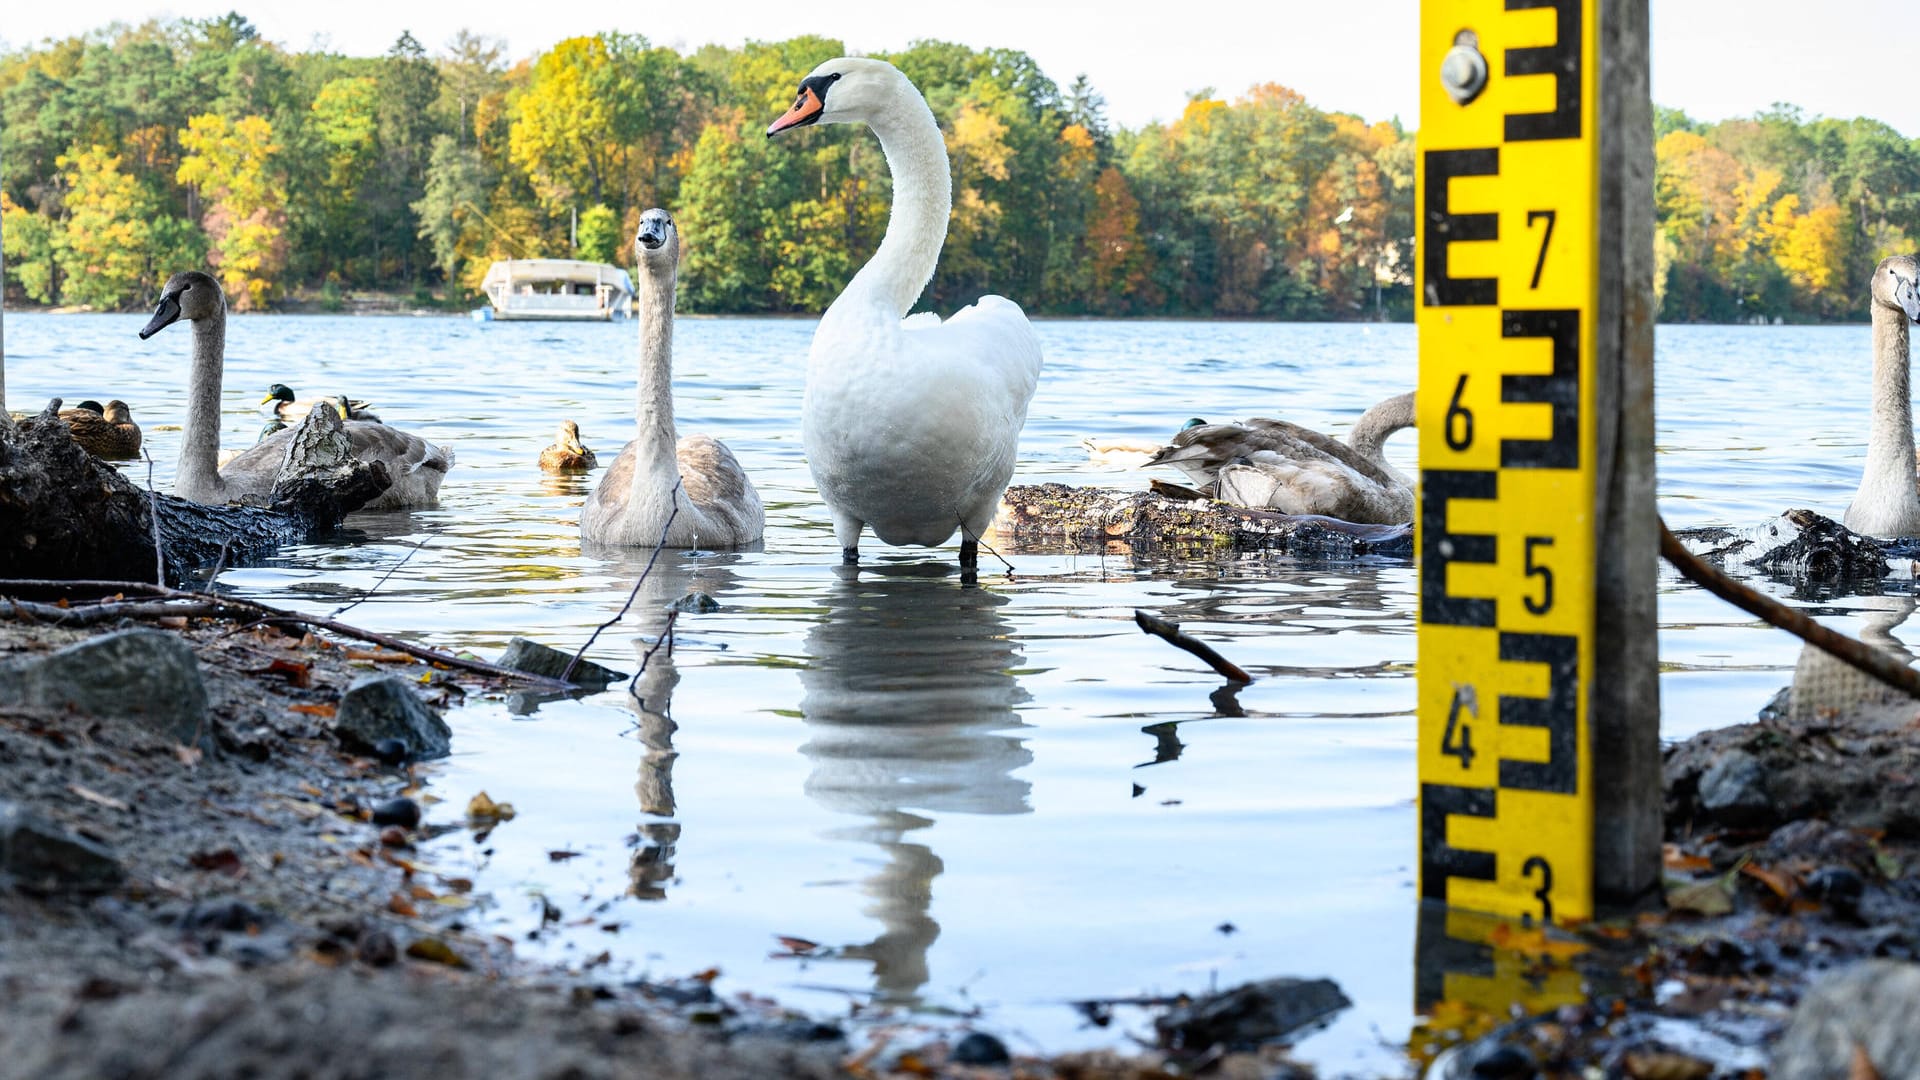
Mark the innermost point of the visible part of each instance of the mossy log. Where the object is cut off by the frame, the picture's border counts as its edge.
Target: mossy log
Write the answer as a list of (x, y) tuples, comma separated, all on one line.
[(1039, 514), (66, 514)]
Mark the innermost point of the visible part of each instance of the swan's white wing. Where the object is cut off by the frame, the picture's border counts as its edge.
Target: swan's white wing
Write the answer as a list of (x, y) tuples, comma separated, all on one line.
[(920, 320)]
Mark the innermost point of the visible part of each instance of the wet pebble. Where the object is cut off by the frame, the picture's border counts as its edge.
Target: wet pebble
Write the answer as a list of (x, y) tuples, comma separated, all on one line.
[(695, 603), (391, 752), (377, 949), (402, 811), (1837, 887), (980, 1048)]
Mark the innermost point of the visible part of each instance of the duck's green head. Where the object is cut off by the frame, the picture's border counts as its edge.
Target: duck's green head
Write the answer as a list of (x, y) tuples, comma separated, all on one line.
[(1192, 422), (91, 406), (278, 392)]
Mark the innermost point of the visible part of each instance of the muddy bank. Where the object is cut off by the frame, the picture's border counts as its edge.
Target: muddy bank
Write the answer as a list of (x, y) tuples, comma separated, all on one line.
[(207, 868)]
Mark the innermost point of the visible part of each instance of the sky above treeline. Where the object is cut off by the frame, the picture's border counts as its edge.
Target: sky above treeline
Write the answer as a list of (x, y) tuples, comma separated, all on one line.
[(1711, 58)]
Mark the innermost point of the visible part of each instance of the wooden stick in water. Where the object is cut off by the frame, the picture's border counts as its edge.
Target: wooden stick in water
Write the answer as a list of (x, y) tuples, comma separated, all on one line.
[(1170, 632)]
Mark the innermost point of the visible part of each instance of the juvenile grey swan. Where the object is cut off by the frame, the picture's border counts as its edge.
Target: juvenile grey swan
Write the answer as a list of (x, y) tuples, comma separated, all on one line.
[(1273, 464), (1888, 503), (717, 504), (416, 465), (911, 424)]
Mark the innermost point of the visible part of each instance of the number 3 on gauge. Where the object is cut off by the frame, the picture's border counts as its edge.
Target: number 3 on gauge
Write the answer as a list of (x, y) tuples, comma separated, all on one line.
[(1544, 603)]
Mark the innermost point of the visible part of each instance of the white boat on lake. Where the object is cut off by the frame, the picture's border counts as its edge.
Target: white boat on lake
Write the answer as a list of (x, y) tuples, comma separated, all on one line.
[(569, 289)]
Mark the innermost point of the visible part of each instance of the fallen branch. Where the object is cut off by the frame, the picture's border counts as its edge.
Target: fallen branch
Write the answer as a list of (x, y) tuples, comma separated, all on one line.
[(1170, 632), (220, 607), (1875, 662)]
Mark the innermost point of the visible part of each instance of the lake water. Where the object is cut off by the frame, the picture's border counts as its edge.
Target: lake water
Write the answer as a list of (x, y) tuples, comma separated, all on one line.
[(999, 798)]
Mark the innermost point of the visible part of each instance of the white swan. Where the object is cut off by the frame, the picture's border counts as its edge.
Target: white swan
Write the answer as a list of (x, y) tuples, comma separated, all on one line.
[(1273, 464), (416, 465), (716, 502), (910, 425), (1888, 502)]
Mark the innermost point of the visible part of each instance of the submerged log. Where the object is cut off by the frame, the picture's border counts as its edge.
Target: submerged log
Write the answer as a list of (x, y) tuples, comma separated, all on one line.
[(66, 514), (1040, 514)]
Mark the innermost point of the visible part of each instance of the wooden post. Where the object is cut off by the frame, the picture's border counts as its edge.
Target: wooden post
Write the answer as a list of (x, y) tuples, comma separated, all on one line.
[(1539, 701)]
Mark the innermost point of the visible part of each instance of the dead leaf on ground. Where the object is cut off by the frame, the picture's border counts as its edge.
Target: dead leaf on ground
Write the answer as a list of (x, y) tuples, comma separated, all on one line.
[(433, 950), (1533, 943), (1862, 1065), (324, 711), (297, 673), (400, 905), (1783, 883), (1711, 897), (1682, 862), (224, 861), (1661, 1065), (188, 755), (98, 799), (482, 811), (379, 657)]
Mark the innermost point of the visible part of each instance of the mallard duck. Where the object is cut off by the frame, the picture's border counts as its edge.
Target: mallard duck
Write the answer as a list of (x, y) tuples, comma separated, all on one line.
[(663, 490), (568, 453), (281, 404), (416, 465), (105, 432), (1272, 464), (911, 425)]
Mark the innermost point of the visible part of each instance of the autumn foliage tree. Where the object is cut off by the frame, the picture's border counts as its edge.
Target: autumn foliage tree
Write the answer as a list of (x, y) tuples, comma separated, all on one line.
[(231, 165)]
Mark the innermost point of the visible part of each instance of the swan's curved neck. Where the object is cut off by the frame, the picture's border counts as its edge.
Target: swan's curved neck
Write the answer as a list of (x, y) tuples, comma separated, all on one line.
[(1890, 436), (198, 475), (922, 200), (1370, 433), (656, 467)]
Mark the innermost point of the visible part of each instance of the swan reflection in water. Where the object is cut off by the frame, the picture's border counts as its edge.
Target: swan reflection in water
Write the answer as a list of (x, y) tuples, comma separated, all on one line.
[(909, 705), (1824, 685), (675, 575)]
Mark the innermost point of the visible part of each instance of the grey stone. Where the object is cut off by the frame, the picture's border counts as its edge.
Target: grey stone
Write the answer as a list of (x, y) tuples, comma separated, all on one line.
[(147, 676), (537, 659), (1734, 791), (1872, 1006), (39, 855), (379, 707), (1249, 1015), (695, 603)]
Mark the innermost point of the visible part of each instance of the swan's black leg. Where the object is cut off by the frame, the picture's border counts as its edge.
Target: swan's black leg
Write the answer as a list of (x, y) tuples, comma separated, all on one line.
[(969, 560), (850, 556)]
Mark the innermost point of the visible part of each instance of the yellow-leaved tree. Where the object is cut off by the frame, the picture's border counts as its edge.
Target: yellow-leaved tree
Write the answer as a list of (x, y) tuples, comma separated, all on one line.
[(231, 167)]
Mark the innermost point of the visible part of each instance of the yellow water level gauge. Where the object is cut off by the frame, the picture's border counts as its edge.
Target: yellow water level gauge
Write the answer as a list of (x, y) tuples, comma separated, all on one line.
[(1508, 271)]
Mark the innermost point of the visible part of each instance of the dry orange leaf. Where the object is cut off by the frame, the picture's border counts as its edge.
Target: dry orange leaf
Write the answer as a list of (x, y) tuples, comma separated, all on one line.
[(420, 892), (1533, 942), (1677, 859), (314, 710), (1862, 1066), (1783, 883), (379, 657), (436, 951), (400, 905)]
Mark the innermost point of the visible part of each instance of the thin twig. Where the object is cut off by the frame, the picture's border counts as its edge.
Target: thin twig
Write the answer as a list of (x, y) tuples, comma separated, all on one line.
[(364, 597), (235, 608), (665, 638), (1170, 632), (1875, 662), (153, 515), (99, 613), (220, 564), (968, 533), (635, 594)]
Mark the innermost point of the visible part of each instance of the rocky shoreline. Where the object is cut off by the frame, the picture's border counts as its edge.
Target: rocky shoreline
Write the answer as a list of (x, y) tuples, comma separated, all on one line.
[(207, 843)]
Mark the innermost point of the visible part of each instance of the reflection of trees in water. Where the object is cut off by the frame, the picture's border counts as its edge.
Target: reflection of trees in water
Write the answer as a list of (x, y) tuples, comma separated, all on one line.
[(909, 697), (674, 575)]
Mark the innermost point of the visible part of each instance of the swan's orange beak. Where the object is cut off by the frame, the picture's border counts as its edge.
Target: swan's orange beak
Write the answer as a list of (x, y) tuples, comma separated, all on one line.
[(806, 109)]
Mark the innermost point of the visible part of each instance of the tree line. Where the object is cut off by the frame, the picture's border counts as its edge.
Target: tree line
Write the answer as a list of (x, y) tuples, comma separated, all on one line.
[(135, 150)]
